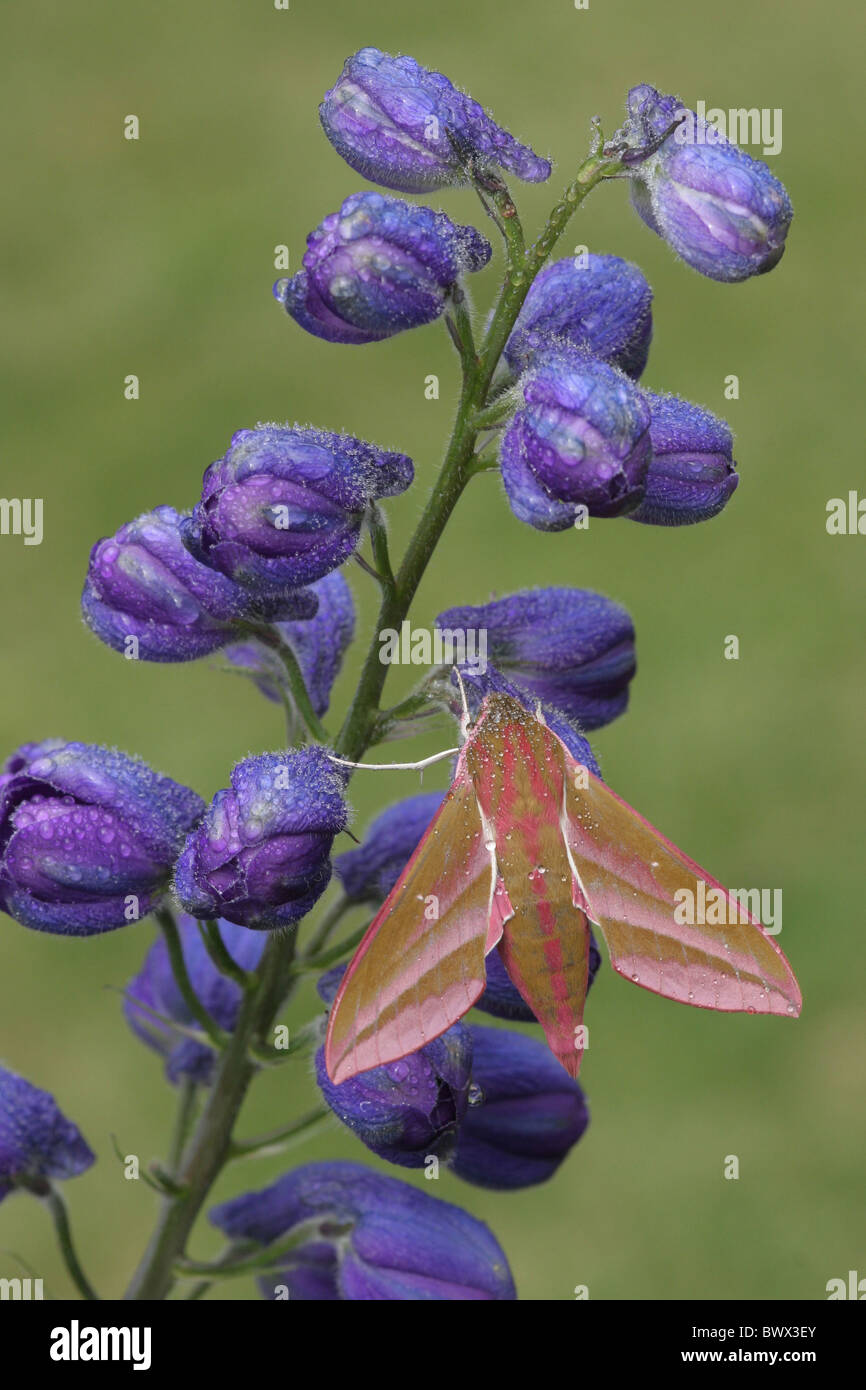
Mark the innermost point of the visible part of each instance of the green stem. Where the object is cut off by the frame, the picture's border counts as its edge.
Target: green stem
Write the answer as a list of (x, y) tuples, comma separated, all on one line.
[(270, 638), (221, 956), (334, 953), (168, 927), (278, 1139), (265, 1257), (332, 918), (208, 1149), (182, 1124), (60, 1217), (379, 543)]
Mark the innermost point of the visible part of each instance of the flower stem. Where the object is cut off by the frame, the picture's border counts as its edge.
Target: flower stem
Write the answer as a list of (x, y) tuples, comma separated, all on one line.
[(221, 956), (59, 1215), (168, 927), (210, 1146), (278, 1139), (458, 467), (270, 638)]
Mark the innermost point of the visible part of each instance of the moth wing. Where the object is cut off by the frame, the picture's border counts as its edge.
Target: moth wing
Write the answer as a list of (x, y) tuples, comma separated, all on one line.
[(633, 880), (420, 965)]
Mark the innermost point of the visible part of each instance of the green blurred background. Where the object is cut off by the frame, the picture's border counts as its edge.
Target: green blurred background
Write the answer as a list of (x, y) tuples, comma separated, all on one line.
[(156, 258)]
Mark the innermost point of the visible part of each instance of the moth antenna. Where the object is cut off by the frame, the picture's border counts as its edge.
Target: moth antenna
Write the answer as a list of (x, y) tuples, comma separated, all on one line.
[(466, 717), (398, 767)]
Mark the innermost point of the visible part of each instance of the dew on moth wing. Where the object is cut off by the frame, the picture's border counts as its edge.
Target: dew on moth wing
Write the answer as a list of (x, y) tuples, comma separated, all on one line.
[(791, 1009), (475, 1095), (490, 845), (636, 978)]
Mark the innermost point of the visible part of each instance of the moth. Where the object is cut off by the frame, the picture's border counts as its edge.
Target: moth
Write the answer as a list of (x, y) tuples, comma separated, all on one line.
[(527, 849)]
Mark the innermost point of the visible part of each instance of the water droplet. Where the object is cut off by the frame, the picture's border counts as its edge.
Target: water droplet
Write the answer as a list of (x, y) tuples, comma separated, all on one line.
[(635, 978), (490, 845), (476, 1095), (791, 1009)]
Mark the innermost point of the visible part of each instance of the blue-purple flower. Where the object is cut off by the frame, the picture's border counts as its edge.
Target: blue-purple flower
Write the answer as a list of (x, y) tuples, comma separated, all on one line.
[(146, 596), (405, 127), (409, 1110), (37, 1142), (722, 211), (154, 991), (369, 872), (260, 856), (319, 645), (88, 837), (571, 648), (377, 267), (285, 506), (578, 446), (528, 1116), (377, 1239), (600, 303), (692, 473)]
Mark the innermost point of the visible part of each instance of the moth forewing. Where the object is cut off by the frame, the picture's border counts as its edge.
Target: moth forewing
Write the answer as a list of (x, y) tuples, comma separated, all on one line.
[(420, 965)]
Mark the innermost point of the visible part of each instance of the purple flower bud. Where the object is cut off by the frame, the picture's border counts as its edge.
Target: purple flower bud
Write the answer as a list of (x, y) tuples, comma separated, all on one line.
[(378, 266), (580, 441), (529, 1116), (405, 127), (37, 1142), (602, 305), (88, 837), (692, 474), (155, 987), (319, 644), (502, 999), (409, 1110), (569, 647), (722, 211), (146, 596), (260, 855), (284, 506), (369, 873), (380, 1239)]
